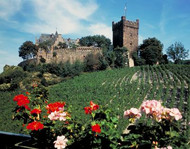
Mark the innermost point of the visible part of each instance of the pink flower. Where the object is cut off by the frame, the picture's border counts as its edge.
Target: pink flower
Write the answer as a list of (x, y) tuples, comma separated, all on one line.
[(58, 115), (170, 114), (174, 112), (132, 113), (152, 108), (61, 142)]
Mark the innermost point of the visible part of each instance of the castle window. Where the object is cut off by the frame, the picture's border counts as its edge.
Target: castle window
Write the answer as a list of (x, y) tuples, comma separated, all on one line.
[(131, 43), (131, 34)]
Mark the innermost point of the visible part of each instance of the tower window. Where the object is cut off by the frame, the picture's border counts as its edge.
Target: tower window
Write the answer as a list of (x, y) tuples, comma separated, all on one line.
[(131, 34)]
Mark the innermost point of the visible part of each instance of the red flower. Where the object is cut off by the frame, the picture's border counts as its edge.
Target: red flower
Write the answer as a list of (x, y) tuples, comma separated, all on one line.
[(88, 110), (36, 111), (52, 107), (19, 97), (35, 126), (96, 128), (22, 101), (93, 107)]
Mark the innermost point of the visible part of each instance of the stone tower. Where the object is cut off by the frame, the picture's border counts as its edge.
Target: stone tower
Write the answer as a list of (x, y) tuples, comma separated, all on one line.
[(125, 34)]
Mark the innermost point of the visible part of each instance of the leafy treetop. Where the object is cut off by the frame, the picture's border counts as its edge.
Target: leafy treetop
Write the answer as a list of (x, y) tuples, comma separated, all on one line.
[(177, 52), (28, 50), (151, 51), (96, 40)]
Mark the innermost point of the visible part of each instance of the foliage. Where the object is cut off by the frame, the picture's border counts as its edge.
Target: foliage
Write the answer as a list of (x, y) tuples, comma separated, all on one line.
[(91, 62), (46, 121), (96, 40), (177, 52), (153, 126), (137, 60), (62, 45), (121, 57), (151, 50), (117, 89), (13, 75), (28, 50), (164, 59), (46, 45)]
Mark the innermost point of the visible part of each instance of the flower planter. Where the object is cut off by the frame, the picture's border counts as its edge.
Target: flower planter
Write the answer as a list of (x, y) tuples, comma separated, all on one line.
[(27, 144)]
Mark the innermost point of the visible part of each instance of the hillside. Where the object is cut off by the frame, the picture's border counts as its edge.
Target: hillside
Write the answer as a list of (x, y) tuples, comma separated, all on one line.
[(121, 89), (118, 89)]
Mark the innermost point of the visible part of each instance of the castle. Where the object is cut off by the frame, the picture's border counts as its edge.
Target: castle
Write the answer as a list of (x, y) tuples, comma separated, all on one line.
[(125, 34), (71, 52)]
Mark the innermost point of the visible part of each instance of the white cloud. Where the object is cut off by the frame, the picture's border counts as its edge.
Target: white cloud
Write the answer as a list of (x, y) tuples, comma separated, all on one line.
[(64, 15), (9, 8), (101, 29)]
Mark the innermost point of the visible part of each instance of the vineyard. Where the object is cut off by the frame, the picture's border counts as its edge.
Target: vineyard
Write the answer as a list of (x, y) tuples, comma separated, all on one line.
[(119, 90)]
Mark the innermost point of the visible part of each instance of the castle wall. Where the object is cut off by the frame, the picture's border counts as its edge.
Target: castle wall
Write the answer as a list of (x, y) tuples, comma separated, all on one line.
[(64, 55)]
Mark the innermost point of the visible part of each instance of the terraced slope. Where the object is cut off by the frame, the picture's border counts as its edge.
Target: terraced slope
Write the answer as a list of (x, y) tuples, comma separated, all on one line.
[(121, 89)]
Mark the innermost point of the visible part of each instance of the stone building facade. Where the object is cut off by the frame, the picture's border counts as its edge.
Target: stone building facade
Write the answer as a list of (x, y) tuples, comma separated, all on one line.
[(58, 55), (125, 34), (68, 54)]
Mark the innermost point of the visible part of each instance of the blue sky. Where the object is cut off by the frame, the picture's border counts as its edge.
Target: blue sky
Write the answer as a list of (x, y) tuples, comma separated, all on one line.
[(22, 20)]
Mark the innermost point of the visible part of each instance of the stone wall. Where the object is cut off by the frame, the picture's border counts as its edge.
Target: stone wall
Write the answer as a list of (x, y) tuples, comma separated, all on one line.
[(64, 55)]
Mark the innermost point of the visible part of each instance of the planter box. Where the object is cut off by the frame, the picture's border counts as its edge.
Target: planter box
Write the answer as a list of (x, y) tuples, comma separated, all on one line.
[(8, 139), (27, 144)]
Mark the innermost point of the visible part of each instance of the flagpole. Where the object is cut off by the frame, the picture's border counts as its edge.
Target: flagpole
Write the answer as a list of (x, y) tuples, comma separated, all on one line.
[(125, 9)]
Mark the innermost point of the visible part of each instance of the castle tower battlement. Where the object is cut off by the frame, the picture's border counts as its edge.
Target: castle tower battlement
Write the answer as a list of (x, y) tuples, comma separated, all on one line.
[(125, 34)]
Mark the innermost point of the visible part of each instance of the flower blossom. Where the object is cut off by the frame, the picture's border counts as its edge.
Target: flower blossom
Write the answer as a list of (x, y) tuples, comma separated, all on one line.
[(173, 113), (35, 126), (22, 101), (152, 108), (52, 107), (58, 115), (132, 113), (96, 128), (61, 142), (93, 107), (35, 111)]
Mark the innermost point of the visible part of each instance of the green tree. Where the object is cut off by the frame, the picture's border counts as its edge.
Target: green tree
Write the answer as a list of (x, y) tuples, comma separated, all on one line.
[(137, 60), (177, 52), (96, 40), (46, 45), (28, 50), (151, 51), (62, 45), (92, 62), (121, 57)]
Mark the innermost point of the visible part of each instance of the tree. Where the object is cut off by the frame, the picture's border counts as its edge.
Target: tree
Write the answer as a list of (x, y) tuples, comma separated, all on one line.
[(137, 60), (151, 51), (177, 52), (91, 62), (28, 50), (62, 45), (96, 40), (121, 57)]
